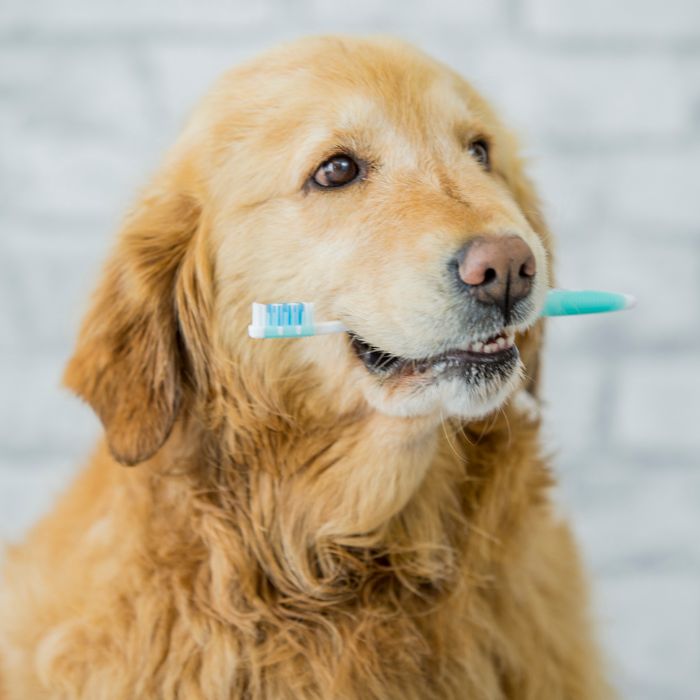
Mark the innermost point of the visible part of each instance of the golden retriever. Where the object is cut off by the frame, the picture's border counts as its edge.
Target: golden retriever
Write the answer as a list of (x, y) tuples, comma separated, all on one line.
[(361, 515)]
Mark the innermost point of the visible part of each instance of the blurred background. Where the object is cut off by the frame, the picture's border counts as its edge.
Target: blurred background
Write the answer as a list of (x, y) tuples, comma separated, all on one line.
[(606, 97)]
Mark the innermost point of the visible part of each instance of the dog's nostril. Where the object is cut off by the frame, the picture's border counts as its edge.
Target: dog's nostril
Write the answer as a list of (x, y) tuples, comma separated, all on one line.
[(497, 270), (528, 268), (489, 275)]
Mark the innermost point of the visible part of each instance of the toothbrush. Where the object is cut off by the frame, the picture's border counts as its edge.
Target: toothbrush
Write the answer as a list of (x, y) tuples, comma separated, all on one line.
[(569, 302), (296, 320)]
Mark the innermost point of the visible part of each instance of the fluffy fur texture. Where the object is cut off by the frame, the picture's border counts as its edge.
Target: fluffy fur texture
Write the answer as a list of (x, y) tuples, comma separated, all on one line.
[(295, 527)]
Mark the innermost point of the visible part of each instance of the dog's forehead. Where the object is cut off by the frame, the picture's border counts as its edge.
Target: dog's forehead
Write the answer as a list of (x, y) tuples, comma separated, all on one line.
[(397, 105), (384, 102), (435, 100), (399, 82), (362, 79)]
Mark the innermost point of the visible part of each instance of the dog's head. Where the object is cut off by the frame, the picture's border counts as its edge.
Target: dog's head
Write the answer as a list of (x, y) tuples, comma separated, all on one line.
[(356, 174)]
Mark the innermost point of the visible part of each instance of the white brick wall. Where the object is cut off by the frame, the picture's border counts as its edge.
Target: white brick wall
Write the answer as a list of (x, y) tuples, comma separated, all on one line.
[(135, 16), (637, 20), (603, 96), (645, 384), (607, 97)]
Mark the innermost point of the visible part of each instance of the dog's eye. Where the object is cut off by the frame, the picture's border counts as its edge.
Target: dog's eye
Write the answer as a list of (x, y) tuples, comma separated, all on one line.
[(479, 150), (336, 171)]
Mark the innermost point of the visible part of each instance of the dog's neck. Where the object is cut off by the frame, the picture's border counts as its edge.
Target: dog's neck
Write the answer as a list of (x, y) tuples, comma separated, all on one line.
[(325, 509)]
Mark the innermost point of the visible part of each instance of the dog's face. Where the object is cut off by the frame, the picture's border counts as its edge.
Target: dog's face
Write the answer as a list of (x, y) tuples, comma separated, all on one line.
[(369, 171), (359, 175)]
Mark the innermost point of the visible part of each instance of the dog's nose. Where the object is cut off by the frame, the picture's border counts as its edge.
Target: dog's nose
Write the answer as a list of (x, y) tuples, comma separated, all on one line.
[(498, 270)]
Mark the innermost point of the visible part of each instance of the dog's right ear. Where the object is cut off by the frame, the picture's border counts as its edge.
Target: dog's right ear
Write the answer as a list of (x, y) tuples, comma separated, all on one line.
[(128, 364)]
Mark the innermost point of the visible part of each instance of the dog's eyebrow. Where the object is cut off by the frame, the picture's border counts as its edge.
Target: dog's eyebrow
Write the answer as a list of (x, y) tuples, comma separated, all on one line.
[(347, 141), (467, 129)]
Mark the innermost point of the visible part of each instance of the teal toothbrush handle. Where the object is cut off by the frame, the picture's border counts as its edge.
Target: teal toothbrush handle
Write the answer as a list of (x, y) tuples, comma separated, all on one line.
[(564, 302)]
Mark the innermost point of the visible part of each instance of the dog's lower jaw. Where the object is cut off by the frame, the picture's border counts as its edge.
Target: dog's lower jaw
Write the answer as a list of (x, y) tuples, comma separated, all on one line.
[(444, 398)]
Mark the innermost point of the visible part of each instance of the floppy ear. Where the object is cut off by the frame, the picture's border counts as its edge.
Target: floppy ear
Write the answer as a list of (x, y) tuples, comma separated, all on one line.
[(128, 364)]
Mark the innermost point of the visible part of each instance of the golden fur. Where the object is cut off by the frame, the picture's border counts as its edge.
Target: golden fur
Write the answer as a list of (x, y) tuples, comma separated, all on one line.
[(293, 530)]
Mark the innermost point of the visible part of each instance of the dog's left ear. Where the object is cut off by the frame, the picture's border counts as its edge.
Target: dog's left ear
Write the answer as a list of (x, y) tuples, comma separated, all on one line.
[(128, 364)]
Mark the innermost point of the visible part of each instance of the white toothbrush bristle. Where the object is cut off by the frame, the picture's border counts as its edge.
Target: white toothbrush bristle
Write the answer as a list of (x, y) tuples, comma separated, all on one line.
[(281, 316), (307, 311), (289, 320), (259, 313)]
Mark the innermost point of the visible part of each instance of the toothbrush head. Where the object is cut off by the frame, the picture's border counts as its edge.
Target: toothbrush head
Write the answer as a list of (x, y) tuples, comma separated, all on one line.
[(291, 320)]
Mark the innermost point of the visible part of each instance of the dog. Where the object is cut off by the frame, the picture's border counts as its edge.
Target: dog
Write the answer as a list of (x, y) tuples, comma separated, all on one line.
[(359, 515)]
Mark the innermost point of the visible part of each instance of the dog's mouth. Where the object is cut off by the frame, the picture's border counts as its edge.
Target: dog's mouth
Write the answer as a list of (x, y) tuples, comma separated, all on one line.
[(476, 361)]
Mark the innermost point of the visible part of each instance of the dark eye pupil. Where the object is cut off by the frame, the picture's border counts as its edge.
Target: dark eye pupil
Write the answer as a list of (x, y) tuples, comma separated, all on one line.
[(336, 171), (338, 167), (480, 152)]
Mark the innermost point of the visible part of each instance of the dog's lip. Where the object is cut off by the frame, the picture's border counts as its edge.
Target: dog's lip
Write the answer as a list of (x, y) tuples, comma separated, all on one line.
[(491, 350)]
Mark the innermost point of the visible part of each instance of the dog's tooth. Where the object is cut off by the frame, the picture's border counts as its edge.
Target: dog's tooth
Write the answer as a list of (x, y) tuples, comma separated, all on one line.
[(501, 342), (488, 348), (476, 346)]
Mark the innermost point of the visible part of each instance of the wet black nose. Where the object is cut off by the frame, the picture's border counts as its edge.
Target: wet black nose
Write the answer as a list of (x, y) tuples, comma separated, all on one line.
[(497, 270)]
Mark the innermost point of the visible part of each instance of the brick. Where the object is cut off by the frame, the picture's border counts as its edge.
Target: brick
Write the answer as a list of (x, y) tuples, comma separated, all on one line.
[(370, 16), (99, 90), (28, 489), (49, 274), (600, 19), (659, 403), (571, 393), (637, 528), (657, 190), (37, 416), (650, 191), (557, 96), (689, 67), (572, 191), (661, 518), (88, 16), (56, 172), (9, 313), (649, 625), (76, 134)]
